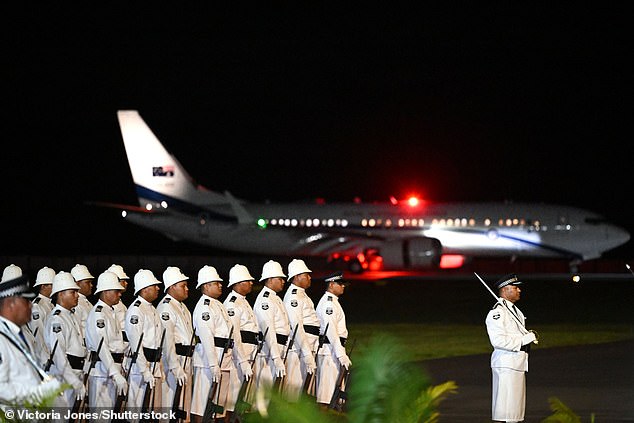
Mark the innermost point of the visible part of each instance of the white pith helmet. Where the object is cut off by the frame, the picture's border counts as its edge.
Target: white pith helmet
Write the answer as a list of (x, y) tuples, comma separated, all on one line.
[(207, 274), (143, 279), (108, 280), (239, 273), (173, 275), (44, 276), (297, 267), (63, 281), (118, 270), (11, 272), (272, 269), (80, 272)]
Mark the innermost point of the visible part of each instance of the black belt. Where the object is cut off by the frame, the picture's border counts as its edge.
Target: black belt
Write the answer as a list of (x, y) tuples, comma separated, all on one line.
[(184, 350), (223, 342), (152, 354), (116, 357), (249, 337), (342, 340), (75, 362), (281, 339), (313, 330)]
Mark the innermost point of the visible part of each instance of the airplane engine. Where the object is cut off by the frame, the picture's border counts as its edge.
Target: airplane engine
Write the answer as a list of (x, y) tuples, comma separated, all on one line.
[(413, 253)]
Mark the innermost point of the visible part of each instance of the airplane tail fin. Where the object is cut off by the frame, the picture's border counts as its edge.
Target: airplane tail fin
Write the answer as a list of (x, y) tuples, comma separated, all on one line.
[(159, 178)]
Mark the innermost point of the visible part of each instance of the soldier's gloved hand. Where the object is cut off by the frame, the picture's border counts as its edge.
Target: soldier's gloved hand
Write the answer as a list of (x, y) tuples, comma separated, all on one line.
[(215, 373), (309, 362), (528, 338), (121, 384), (280, 369), (180, 376), (245, 367), (45, 389), (344, 360), (149, 379), (80, 390)]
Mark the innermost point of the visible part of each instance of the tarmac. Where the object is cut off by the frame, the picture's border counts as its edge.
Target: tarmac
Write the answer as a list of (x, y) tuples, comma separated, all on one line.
[(591, 379)]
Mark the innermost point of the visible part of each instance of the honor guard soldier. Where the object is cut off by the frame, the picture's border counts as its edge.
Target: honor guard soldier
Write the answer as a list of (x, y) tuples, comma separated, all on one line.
[(21, 377), (332, 357), (104, 339), (509, 360), (213, 362), (142, 320), (64, 339), (40, 310), (179, 339), (301, 314), (243, 319), (273, 322), (84, 280), (120, 309)]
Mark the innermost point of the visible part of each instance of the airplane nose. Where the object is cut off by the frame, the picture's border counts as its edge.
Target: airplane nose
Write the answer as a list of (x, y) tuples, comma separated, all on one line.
[(616, 235)]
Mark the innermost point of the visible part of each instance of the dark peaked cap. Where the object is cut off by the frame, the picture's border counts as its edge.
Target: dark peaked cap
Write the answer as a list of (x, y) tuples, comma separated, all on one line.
[(507, 280), (18, 287)]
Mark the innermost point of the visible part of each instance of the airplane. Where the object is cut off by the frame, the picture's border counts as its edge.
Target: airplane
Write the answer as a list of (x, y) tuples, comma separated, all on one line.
[(394, 235)]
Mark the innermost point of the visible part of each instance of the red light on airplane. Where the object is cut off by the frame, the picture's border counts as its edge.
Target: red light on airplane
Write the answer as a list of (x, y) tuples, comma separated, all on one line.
[(451, 261), (393, 200), (412, 201)]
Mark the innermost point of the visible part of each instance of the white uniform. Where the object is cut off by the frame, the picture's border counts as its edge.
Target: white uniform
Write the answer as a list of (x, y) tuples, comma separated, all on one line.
[(120, 311), (143, 319), (301, 314), (19, 377), (41, 308), (102, 324), (212, 325), (245, 345), (81, 312), (272, 319), (70, 354), (330, 314), (508, 362), (177, 351)]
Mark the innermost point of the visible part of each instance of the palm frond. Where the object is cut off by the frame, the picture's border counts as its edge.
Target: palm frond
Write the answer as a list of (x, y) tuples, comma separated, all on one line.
[(561, 413)]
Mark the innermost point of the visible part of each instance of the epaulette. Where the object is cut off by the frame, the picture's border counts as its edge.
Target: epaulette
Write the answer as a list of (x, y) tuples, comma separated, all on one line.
[(329, 298), (266, 294), (57, 312), (206, 301), (294, 291), (137, 303), (232, 299), (37, 300), (496, 305), (98, 308), (167, 300)]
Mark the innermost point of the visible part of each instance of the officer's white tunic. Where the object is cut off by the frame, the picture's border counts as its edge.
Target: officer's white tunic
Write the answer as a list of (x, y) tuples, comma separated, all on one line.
[(18, 377), (270, 314), (41, 308), (120, 311), (301, 314), (212, 323), (243, 319), (177, 321), (142, 318), (82, 309), (63, 329), (330, 314), (508, 362), (102, 324)]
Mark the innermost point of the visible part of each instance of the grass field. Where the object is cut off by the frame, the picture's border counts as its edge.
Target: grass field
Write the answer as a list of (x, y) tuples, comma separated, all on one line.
[(428, 341)]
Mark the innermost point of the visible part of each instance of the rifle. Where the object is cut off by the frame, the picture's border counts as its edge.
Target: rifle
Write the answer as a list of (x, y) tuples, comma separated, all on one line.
[(79, 404), (121, 401), (242, 406), (179, 412), (279, 380), (147, 396), (312, 378), (338, 399), (49, 362), (211, 409)]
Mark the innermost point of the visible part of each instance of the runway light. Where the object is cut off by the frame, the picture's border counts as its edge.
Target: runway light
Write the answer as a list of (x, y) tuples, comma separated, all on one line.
[(576, 278)]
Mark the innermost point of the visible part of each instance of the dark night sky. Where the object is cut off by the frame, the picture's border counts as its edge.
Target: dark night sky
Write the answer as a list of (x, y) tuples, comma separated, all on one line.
[(527, 103)]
